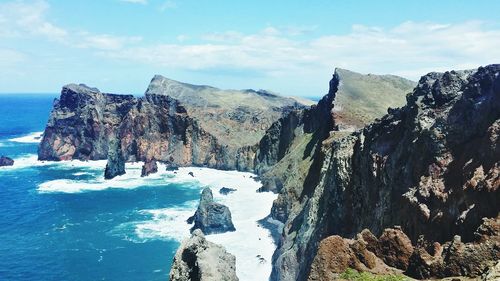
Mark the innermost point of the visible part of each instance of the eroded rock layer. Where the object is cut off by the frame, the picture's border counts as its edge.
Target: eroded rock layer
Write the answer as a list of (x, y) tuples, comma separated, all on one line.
[(166, 125), (431, 167)]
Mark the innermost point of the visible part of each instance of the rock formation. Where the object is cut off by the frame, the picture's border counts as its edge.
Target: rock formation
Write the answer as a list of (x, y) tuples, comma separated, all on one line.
[(226, 190), (82, 123), (211, 217), (199, 259), (431, 167), (6, 161), (116, 163), (394, 253), (149, 167), (175, 123)]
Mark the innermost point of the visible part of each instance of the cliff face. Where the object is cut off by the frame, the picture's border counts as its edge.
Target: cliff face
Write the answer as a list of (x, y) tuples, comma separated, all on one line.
[(431, 167), (172, 126), (81, 122), (199, 259)]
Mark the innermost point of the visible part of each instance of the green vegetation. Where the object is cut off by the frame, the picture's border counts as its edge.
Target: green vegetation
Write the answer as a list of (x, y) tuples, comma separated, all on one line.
[(351, 274), (362, 98)]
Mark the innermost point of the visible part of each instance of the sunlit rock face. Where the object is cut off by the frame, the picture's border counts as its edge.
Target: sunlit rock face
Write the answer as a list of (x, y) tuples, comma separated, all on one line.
[(176, 123)]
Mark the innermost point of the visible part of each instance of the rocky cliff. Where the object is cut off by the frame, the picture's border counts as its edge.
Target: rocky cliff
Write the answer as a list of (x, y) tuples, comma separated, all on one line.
[(424, 177), (175, 123), (430, 167), (199, 259)]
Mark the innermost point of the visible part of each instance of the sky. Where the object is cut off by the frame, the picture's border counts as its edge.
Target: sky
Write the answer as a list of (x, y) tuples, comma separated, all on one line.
[(289, 47)]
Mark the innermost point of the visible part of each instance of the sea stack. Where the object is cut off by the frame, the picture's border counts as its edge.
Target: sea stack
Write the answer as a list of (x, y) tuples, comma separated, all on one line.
[(116, 162), (211, 217), (149, 167)]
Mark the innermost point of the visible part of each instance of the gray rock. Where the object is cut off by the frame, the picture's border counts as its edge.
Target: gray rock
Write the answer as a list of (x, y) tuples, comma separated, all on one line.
[(149, 167), (116, 163), (211, 217), (199, 259), (430, 167), (6, 161), (226, 190)]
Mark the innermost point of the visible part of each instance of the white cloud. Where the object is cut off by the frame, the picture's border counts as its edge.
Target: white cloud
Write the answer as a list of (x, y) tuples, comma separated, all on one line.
[(21, 19), (409, 49), (105, 42), (27, 19)]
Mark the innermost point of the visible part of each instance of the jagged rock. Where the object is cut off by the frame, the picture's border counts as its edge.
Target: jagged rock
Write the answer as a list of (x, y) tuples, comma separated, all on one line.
[(336, 254), (149, 167), (455, 258), (172, 167), (199, 259), (431, 167), (116, 163), (226, 190), (395, 248), (81, 124), (191, 174), (6, 161), (211, 217), (175, 123)]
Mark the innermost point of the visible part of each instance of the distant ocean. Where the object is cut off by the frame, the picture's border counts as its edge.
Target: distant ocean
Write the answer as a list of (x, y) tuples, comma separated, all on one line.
[(62, 221)]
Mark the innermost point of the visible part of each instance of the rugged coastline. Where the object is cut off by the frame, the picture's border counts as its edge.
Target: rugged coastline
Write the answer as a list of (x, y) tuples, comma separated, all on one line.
[(429, 169)]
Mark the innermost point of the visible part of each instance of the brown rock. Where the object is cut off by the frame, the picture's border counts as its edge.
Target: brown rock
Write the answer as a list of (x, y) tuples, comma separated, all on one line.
[(334, 257), (395, 248), (456, 258), (149, 167)]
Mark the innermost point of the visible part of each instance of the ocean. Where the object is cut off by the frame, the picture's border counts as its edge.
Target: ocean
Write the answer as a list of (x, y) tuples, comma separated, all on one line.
[(63, 221)]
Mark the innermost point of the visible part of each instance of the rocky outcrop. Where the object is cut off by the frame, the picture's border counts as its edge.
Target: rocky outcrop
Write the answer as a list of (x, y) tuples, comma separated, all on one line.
[(201, 260), (394, 253), (175, 123), (82, 122), (6, 161), (149, 167), (226, 190), (336, 254), (456, 258), (116, 163), (211, 217), (431, 167)]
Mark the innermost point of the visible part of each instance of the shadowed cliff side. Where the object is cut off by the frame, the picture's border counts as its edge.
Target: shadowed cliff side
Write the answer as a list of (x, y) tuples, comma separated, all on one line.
[(431, 167)]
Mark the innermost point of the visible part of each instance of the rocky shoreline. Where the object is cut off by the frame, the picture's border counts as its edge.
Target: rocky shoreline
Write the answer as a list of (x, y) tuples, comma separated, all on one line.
[(424, 178)]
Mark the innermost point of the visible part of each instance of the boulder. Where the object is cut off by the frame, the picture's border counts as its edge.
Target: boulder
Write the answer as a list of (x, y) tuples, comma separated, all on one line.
[(6, 161), (149, 167), (199, 259), (211, 217), (395, 248), (226, 190)]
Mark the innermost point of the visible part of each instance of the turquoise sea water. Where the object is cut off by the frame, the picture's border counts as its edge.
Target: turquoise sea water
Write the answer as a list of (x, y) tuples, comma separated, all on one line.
[(84, 235)]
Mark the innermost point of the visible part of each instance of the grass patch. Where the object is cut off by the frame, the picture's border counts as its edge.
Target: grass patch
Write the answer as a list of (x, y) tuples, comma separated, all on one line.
[(351, 274)]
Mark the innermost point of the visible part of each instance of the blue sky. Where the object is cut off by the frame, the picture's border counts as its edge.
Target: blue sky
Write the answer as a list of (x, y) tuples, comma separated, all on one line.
[(290, 47)]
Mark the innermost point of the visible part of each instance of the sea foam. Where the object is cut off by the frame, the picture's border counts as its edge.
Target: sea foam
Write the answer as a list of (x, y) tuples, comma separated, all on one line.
[(34, 137), (251, 243)]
